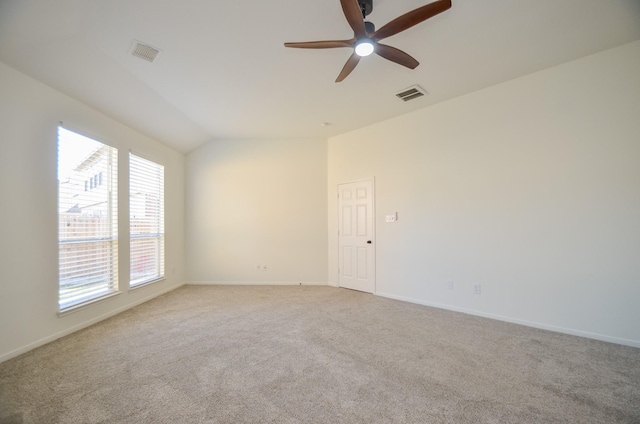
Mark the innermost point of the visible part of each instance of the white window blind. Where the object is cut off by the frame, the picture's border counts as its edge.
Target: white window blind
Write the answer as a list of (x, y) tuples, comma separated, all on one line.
[(87, 219), (146, 208)]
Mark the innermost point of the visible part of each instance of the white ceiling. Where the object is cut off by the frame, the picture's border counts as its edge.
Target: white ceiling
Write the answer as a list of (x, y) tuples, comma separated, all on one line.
[(224, 73)]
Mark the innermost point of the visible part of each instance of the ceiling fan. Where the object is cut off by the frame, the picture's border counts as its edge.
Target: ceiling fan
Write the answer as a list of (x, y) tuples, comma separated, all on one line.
[(365, 37)]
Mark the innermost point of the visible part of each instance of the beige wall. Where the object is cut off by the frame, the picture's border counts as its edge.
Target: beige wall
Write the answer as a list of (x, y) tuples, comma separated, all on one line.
[(29, 116), (530, 188), (257, 202)]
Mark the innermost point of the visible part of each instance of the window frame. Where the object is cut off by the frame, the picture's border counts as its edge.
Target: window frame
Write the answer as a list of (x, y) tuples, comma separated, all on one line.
[(146, 180), (86, 229)]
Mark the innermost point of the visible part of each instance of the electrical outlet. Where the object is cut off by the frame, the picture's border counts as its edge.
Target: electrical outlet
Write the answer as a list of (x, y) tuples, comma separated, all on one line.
[(450, 285), (477, 289)]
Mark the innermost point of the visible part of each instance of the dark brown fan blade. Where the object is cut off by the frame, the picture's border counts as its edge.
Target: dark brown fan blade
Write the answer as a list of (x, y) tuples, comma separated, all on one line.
[(396, 55), (348, 67), (352, 12), (321, 44), (412, 18)]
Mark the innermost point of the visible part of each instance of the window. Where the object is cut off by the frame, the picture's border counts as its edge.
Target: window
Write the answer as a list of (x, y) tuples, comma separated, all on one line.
[(87, 220), (146, 220)]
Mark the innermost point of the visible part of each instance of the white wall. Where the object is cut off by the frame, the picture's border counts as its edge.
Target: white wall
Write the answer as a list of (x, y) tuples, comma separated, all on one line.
[(253, 202), (29, 116), (530, 188)]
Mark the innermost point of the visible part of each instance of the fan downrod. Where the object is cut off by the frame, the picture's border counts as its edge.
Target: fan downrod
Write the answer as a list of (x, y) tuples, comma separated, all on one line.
[(366, 6)]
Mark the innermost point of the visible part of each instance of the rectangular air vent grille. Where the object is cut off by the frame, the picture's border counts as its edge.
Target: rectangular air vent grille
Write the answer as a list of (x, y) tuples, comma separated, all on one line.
[(144, 51), (411, 93)]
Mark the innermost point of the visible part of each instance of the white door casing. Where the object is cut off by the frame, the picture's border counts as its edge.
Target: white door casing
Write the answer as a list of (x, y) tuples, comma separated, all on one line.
[(356, 241)]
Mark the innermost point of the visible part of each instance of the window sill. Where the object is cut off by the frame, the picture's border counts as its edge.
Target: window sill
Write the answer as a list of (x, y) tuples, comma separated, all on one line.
[(147, 283), (86, 304)]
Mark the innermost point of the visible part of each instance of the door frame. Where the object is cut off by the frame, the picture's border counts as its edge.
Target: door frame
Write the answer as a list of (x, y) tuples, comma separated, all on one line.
[(373, 227)]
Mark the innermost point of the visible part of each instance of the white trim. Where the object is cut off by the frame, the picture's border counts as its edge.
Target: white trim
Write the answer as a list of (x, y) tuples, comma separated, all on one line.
[(150, 158), (56, 336), (80, 306), (534, 324), (146, 283), (256, 283), (360, 180), (86, 132)]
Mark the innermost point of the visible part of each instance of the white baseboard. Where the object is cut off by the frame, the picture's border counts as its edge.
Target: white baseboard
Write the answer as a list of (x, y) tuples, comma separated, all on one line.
[(542, 326), (256, 283), (56, 336)]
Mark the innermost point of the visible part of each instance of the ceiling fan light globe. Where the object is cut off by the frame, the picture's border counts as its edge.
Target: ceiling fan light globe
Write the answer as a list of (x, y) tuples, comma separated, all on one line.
[(364, 47)]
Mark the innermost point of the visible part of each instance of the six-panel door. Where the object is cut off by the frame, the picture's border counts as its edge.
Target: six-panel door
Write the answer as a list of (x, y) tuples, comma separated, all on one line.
[(355, 236)]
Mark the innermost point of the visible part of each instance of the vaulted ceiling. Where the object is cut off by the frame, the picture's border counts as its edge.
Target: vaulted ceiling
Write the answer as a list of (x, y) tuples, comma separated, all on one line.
[(223, 72)]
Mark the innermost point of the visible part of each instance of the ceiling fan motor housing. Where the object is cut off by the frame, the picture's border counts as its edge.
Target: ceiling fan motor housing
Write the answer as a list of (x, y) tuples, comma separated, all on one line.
[(369, 27)]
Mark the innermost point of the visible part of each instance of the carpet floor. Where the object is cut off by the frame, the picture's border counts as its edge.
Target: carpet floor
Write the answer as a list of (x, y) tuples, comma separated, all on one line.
[(302, 354)]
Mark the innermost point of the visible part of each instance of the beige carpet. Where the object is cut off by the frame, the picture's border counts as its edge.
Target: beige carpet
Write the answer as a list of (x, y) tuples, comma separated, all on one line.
[(316, 355)]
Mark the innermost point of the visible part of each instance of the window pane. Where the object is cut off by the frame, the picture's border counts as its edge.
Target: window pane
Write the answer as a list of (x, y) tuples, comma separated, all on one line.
[(146, 208), (87, 219)]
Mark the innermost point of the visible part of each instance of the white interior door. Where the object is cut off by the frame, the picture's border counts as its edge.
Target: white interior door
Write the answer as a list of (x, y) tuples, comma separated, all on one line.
[(356, 242)]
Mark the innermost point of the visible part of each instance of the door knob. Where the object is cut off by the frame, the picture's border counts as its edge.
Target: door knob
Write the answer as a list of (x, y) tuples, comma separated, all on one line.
[(368, 241)]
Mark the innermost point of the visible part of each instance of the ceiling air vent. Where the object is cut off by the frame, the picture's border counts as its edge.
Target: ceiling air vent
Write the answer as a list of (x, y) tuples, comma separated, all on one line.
[(144, 51), (411, 93)]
